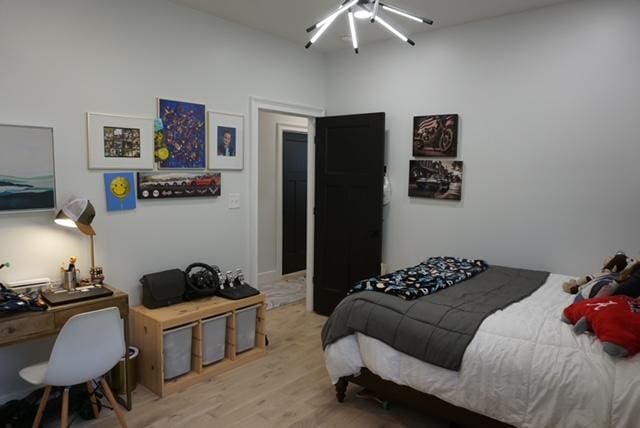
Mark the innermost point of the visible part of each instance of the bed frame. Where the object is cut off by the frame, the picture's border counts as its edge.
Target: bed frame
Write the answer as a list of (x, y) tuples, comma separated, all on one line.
[(458, 416)]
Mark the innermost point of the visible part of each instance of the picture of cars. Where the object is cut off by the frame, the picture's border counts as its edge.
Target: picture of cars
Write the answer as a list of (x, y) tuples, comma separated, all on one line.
[(178, 185)]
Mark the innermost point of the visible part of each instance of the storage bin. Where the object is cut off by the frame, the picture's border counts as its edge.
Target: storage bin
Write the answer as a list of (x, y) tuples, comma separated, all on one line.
[(214, 338), (246, 320), (177, 350), (116, 376)]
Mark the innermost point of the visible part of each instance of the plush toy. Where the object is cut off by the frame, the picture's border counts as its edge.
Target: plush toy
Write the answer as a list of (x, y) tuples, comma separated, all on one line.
[(602, 286), (615, 320), (615, 264), (629, 281)]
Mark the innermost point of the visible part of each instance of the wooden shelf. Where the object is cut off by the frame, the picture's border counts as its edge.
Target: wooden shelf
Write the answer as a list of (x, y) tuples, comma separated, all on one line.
[(148, 326)]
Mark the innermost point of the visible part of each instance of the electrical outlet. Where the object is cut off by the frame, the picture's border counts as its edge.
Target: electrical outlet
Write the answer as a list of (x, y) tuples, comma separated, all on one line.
[(234, 201)]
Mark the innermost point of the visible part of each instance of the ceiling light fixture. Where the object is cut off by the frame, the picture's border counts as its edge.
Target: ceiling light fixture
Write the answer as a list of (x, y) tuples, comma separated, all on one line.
[(364, 12), (352, 27)]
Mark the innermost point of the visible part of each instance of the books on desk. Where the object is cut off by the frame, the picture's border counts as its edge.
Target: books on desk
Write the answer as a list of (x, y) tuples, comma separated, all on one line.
[(61, 297)]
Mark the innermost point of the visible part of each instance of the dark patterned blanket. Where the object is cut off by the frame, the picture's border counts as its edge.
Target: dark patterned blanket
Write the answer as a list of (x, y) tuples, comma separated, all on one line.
[(430, 276)]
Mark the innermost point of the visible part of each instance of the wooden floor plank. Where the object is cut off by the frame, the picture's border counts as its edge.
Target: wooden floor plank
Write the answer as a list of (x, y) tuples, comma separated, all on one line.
[(289, 387)]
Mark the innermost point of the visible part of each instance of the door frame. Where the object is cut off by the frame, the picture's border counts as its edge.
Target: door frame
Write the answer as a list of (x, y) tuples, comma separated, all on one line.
[(255, 105), (281, 128)]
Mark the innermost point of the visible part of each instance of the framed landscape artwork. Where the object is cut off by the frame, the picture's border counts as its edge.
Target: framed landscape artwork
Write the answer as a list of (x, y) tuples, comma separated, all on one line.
[(119, 142), (435, 135), (436, 179), (163, 185), (184, 134), (27, 175), (226, 140)]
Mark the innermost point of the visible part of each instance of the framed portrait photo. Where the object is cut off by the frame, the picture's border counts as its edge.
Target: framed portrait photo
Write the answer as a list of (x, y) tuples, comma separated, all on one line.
[(226, 140), (119, 142)]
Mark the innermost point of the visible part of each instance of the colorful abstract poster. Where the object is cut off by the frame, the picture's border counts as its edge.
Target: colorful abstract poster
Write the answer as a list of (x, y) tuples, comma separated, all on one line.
[(27, 178), (120, 188), (184, 134)]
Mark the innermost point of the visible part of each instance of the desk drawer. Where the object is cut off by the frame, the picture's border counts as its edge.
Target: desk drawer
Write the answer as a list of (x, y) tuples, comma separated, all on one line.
[(63, 315), (25, 326)]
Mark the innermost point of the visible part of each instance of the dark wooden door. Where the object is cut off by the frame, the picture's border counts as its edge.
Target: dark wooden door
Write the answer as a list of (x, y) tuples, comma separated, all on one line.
[(348, 205), (294, 201)]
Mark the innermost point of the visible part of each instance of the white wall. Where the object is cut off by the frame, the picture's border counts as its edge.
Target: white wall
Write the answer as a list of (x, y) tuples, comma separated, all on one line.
[(61, 59), (549, 103), (268, 165)]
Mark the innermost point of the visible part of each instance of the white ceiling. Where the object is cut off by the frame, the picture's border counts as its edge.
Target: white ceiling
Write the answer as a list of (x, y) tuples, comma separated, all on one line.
[(290, 18)]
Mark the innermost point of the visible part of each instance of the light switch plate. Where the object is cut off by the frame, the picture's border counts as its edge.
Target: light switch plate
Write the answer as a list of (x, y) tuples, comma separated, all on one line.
[(234, 201)]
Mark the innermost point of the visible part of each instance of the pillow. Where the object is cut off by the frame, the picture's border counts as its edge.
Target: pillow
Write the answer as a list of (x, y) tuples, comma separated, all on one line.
[(602, 286), (631, 287)]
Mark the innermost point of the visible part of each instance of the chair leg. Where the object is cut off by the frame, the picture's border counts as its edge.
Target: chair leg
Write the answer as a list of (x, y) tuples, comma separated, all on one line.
[(64, 418), (94, 401), (114, 403), (42, 406)]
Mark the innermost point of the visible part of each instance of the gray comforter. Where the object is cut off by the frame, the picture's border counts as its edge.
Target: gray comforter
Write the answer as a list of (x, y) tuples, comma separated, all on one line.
[(438, 328)]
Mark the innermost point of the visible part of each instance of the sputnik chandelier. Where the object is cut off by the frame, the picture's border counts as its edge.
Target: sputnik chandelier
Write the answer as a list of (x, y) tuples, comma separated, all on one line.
[(364, 9)]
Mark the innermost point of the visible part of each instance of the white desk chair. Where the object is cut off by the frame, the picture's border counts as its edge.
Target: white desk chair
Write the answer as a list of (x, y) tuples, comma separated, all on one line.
[(88, 346)]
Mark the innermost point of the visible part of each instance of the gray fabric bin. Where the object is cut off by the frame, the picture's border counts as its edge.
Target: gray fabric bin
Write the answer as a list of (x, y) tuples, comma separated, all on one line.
[(214, 338), (177, 350), (246, 320)]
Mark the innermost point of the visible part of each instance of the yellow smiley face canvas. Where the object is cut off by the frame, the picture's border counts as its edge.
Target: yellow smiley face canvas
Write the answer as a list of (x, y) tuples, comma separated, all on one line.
[(120, 187), (120, 190)]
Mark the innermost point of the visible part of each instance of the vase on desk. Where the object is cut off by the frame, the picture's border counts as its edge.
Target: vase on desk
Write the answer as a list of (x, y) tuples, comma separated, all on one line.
[(70, 279)]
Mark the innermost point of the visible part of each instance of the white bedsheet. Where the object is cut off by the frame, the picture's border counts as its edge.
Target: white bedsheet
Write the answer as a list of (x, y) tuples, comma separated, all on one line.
[(524, 367)]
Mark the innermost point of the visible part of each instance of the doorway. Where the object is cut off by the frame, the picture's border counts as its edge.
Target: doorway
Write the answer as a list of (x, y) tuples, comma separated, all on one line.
[(282, 207), (294, 201)]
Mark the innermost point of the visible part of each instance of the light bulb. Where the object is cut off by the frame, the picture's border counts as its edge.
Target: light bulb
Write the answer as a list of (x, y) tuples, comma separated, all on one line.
[(362, 14)]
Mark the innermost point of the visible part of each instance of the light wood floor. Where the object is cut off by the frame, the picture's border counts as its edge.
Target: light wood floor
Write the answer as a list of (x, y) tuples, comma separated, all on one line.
[(287, 388)]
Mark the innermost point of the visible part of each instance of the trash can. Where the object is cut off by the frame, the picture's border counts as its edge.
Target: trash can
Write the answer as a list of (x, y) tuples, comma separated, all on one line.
[(246, 320), (116, 376), (177, 350), (214, 335)]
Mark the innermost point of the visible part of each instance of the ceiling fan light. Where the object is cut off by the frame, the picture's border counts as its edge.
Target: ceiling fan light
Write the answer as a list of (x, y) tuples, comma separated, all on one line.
[(391, 29), (352, 27), (401, 13), (362, 14), (326, 23)]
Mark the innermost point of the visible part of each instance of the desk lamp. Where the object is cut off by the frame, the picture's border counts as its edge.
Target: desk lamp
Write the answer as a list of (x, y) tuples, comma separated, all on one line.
[(79, 213)]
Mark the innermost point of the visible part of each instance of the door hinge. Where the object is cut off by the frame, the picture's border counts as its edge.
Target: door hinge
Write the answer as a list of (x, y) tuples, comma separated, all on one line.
[(315, 211)]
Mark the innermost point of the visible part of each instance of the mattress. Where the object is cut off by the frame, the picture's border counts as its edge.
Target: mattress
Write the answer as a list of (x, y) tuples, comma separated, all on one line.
[(524, 367)]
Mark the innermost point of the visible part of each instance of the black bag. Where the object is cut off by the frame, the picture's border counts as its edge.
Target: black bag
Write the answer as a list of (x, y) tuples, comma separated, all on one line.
[(163, 288)]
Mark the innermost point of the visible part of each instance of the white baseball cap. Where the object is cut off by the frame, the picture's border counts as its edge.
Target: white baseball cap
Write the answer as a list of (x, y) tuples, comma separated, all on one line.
[(81, 212)]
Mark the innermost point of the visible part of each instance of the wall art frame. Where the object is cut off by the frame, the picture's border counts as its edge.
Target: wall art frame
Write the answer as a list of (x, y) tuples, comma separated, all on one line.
[(27, 169), (119, 142), (226, 140)]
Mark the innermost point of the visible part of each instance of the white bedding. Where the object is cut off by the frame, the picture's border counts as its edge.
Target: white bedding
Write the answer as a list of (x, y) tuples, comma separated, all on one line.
[(524, 367)]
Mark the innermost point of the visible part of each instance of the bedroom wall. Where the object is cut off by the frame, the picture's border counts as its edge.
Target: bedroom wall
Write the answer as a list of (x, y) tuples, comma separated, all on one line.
[(61, 59), (549, 102), (268, 175)]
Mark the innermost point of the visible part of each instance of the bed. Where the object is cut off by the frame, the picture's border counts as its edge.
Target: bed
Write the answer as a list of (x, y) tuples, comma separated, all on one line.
[(523, 367)]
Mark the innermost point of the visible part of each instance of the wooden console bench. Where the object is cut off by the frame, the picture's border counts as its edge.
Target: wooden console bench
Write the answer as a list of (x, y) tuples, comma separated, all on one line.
[(148, 326)]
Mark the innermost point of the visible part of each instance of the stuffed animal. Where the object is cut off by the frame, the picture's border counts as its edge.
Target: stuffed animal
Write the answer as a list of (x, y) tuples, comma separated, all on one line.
[(615, 264), (615, 320), (629, 281)]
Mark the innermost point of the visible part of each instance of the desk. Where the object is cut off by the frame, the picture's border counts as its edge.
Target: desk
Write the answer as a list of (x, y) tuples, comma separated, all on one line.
[(27, 326)]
